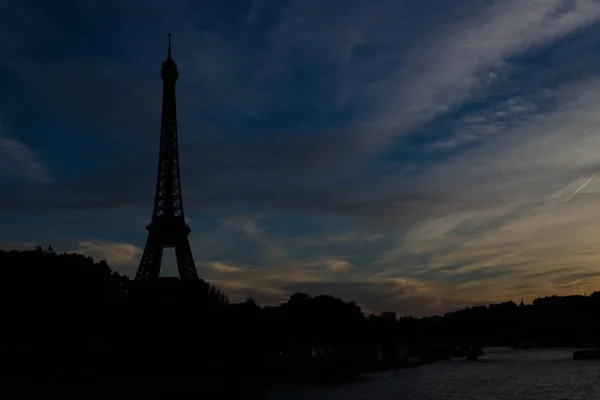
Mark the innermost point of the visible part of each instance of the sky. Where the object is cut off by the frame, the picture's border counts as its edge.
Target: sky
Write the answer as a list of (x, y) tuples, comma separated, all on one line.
[(411, 156)]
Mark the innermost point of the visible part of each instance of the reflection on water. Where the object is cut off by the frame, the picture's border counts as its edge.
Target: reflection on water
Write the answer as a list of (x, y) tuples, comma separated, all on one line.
[(501, 374)]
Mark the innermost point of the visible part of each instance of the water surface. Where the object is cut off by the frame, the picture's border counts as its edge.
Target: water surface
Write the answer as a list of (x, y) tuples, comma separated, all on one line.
[(502, 374)]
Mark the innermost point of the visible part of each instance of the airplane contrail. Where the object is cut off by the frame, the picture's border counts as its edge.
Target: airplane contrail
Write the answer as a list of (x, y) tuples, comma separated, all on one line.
[(580, 187)]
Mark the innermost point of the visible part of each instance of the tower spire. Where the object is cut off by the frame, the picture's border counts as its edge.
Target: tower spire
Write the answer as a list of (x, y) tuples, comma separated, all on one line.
[(169, 46)]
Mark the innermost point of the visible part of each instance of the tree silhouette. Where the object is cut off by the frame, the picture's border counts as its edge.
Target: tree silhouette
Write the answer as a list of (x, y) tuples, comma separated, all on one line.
[(67, 303)]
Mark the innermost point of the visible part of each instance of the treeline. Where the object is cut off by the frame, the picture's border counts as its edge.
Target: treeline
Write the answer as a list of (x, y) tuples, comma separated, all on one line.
[(549, 321), (70, 304)]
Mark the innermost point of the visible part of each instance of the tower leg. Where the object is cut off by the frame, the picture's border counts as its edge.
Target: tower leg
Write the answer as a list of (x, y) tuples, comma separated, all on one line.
[(185, 261), (151, 260)]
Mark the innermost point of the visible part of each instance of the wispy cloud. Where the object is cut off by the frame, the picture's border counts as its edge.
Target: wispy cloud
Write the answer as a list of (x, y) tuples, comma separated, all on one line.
[(122, 256), (271, 285), (456, 63), (528, 171), (16, 246), (223, 268), (17, 160), (338, 265)]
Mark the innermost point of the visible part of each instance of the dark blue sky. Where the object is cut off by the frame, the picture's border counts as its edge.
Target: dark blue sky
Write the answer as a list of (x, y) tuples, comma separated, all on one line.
[(411, 156)]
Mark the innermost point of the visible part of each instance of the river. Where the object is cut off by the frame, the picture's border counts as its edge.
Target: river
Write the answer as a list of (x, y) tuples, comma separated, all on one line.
[(502, 374)]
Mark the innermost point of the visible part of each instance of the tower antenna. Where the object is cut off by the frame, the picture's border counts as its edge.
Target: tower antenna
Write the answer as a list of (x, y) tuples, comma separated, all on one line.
[(169, 45)]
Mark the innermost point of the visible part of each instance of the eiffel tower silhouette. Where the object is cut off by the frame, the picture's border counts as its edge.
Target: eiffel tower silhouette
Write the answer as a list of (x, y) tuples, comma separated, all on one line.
[(168, 227)]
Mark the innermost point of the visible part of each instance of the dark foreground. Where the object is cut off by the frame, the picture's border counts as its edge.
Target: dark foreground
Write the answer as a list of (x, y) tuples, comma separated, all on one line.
[(537, 373), (25, 375), (171, 374), (92, 383)]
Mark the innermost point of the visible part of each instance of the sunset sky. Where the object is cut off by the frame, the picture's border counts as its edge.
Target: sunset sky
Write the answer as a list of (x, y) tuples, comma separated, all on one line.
[(413, 156)]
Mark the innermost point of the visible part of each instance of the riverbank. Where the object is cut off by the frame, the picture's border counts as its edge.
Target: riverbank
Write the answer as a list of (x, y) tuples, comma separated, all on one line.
[(124, 374)]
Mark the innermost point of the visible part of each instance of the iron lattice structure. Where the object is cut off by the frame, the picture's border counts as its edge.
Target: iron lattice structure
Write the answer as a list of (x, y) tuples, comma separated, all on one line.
[(168, 227)]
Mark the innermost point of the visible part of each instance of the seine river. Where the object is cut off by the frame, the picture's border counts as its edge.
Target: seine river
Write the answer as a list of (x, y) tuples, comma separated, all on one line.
[(502, 374)]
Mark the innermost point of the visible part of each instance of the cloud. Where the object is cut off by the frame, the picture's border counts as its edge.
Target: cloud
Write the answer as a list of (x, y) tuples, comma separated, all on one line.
[(338, 265), (16, 246), (18, 160), (123, 257), (118, 255), (317, 273), (271, 285), (444, 72), (528, 170), (434, 77), (398, 80), (223, 268), (297, 168)]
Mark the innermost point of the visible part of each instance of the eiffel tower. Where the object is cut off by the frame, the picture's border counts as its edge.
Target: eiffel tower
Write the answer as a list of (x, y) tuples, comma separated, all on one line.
[(168, 227)]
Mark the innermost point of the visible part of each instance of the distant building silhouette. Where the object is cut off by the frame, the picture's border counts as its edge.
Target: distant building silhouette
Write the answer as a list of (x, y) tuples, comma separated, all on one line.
[(168, 227)]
